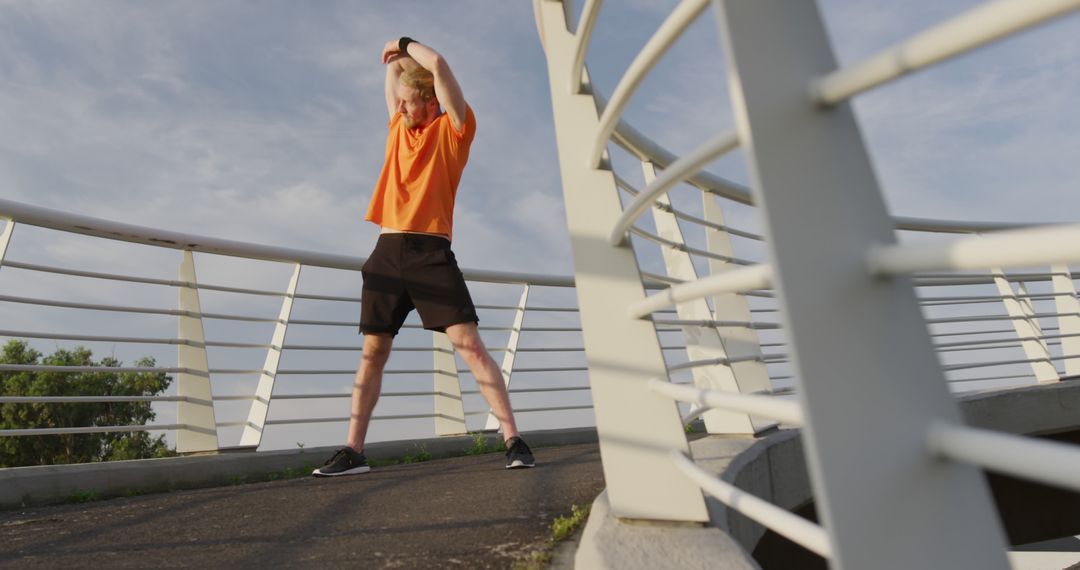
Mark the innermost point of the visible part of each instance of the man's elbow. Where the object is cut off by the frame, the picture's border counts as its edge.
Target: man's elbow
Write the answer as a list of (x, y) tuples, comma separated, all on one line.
[(439, 65)]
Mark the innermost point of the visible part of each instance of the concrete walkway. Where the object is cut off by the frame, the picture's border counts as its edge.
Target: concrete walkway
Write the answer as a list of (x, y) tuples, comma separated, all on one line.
[(463, 512)]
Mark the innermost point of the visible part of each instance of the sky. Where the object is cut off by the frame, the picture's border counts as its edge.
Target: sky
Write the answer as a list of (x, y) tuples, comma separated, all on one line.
[(265, 122)]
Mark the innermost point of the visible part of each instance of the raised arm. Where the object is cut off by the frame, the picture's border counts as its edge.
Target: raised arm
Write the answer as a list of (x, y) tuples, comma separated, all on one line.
[(447, 89), (396, 64)]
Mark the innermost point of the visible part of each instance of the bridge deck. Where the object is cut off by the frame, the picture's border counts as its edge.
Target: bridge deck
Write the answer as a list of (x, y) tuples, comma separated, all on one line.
[(464, 512)]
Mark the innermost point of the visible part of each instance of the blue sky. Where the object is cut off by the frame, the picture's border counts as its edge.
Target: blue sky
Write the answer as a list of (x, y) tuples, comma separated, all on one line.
[(264, 121)]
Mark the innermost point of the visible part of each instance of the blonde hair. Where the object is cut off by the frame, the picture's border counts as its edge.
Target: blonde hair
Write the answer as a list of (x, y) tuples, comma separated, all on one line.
[(420, 79)]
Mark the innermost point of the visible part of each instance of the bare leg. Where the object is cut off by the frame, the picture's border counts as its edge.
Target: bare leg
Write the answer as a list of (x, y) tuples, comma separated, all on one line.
[(367, 385), (466, 339)]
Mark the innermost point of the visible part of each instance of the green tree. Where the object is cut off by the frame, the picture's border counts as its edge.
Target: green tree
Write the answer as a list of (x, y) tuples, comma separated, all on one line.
[(76, 448)]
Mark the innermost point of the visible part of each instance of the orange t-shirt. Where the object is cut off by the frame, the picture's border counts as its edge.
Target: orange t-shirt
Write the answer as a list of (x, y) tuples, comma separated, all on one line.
[(419, 179)]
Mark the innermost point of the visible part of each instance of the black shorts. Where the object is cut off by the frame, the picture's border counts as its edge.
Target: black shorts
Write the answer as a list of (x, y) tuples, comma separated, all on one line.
[(407, 271)]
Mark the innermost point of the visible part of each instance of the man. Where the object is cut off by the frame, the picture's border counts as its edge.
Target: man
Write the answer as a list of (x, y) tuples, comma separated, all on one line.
[(412, 265)]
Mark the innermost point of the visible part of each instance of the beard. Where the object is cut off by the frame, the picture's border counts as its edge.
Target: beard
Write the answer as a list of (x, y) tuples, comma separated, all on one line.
[(413, 122)]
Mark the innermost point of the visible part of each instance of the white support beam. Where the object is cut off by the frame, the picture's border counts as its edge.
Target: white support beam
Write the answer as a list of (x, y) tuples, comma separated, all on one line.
[(1027, 328), (785, 523), (260, 406), (681, 17), (1068, 309), (449, 407), (511, 351), (636, 427), (1048, 462), (5, 239), (679, 171), (1033, 247), (979, 26), (704, 343), (734, 281), (866, 373), (583, 35), (199, 431)]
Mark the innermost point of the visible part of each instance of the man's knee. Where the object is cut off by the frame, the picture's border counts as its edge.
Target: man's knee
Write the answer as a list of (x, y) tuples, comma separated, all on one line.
[(376, 351)]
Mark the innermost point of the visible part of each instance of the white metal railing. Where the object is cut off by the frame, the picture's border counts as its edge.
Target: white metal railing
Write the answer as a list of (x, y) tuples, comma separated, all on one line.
[(884, 364), (549, 357)]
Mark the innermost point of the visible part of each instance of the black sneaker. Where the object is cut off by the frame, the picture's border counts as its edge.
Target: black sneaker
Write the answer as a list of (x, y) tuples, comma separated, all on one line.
[(518, 454), (344, 462)]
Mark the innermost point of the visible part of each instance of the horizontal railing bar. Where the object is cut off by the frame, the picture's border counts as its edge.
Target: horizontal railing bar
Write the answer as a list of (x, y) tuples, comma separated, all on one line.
[(970, 365), (536, 390), (624, 185), (662, 278), (553, 309), (685, 248), (1046, 462), (985, 318), (77, 369), (582, 37), (345, 419), (785, 411), (713, 324), (675, 173), (998, 346), (238, 371), (88, 399), (97, 338), (239, 398), (1016, 248), (352, 371), (313, 297), (223, 344), (92, 429), (1015, 340), (792, 526), (970, 30), (989, 378), (92, 274), (767, 358), (969, 333), (734, 281), (992, 298), (357, 348), (141, 280), (528, 410), (86, 225), (549, 369), (681, 17), (551, 349), (349, 395), (139, 310)]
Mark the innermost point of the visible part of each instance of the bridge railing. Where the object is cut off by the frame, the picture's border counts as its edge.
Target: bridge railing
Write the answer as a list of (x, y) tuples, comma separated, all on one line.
[(273, 351), (874, 336)]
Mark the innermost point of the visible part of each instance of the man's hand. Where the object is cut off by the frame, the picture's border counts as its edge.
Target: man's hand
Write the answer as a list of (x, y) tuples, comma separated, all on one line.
[(391, 52)]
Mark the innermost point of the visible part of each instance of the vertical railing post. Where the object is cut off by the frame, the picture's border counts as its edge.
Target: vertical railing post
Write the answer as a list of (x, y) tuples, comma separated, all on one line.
[(511, 351), (1027, 328), (868, 380), (705, 343), (196, 413), (740, 342), (260, 406), (5, 239), (1068, 309), (637, 428), (449, 407)]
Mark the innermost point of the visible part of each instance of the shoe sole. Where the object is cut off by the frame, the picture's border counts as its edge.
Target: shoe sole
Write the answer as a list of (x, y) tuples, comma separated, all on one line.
[(519, 464), (353, 471)]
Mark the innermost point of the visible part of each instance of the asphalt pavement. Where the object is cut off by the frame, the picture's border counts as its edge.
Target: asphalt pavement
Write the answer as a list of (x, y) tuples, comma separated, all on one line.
[(461, 512)]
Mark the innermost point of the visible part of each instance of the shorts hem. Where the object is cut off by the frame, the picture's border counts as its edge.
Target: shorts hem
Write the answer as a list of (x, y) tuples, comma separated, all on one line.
[(442, 327)]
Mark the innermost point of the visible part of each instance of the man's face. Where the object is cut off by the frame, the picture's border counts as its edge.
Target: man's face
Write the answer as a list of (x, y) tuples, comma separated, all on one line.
[(416, 112)]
